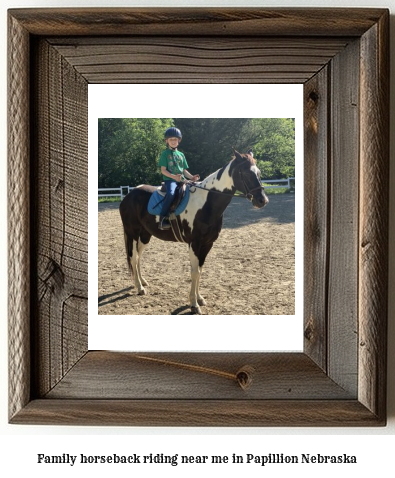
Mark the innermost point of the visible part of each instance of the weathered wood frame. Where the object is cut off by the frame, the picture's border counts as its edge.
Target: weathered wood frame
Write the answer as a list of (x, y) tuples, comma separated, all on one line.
[(342, 57)]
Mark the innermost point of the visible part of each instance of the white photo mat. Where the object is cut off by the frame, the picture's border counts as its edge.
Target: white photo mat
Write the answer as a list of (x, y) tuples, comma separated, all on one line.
[(205, 332)]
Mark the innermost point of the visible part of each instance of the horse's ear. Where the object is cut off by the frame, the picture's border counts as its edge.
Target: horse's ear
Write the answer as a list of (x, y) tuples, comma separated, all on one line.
[(236, 153)]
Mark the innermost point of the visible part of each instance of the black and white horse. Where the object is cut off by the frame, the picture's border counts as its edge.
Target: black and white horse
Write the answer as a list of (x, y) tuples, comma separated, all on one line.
[(199, 224)]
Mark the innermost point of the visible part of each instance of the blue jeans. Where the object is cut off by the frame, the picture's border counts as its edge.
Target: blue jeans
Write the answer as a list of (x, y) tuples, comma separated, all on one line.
[(171, 186)]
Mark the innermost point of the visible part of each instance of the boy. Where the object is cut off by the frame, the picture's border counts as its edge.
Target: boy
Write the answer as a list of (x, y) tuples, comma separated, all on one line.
[(173, 166)]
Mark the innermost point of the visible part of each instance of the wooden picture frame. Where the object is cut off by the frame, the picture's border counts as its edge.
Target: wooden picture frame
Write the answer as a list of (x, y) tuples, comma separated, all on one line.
[(342, 58)]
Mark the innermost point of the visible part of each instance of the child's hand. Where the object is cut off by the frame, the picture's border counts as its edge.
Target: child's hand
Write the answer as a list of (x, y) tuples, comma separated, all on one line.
[(178, 178), (196, 177)]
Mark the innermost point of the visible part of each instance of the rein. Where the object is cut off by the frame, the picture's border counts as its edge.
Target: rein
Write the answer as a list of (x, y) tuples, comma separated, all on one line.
[(246, 195)]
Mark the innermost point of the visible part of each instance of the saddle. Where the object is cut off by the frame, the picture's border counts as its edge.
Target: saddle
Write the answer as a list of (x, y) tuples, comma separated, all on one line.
[(178, 196), (178, 205)]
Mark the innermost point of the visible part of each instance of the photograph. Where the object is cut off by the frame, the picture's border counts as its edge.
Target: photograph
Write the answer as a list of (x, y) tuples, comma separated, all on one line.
[(226, 217)]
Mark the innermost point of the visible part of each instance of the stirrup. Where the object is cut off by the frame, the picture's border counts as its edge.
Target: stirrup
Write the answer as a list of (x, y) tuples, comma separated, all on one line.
[(164, 224)]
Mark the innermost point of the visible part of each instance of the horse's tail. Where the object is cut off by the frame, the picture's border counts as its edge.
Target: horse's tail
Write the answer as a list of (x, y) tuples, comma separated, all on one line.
[(129, 251)]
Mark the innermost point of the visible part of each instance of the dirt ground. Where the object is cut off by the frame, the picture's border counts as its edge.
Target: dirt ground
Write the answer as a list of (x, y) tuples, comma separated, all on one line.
[(250, 269)]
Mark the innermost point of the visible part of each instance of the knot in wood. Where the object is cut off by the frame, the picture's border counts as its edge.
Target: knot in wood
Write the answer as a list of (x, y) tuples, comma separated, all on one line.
[(309, 331), (313, 96)]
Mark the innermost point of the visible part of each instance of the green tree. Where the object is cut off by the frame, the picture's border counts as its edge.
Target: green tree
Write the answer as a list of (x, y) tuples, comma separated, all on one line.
[(208, 142), (129, 149), (108, 148), (275, 149)]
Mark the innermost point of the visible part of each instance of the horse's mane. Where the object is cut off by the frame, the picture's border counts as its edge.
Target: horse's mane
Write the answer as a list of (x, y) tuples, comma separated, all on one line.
[(247, 156), (219, 172)]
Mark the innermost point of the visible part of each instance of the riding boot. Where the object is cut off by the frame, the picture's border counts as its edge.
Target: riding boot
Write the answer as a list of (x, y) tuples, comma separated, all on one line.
[(164, 223)]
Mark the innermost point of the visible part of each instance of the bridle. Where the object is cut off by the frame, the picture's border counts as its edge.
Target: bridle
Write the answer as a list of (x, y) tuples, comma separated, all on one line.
[(248, 192)]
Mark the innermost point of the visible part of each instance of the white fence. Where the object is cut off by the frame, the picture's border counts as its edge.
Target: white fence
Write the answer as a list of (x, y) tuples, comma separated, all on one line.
[(121, 191), (278, 183)]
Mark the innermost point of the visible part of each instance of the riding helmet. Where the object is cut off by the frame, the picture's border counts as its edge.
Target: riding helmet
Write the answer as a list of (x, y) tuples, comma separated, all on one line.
[(173, 133)]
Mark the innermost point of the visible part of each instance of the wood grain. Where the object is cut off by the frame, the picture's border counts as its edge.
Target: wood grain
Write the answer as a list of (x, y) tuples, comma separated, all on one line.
[(18, 218), (202, 413), (61, 234), (373, 234), (173, 22), (341, 56), (198, 375), (316, 213), (343, 220), (161, 60)]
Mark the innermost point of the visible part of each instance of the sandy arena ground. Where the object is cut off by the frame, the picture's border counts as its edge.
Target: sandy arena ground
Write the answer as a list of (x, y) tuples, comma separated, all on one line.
[(250, 269)]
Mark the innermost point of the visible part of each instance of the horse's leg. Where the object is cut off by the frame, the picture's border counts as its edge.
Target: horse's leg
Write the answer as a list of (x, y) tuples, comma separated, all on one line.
[(138, 248), (141, 246), (135, 264), (200, 299), (195, 276), (197, 262)]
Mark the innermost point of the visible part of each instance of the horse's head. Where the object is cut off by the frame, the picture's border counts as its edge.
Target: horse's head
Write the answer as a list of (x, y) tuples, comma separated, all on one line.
[(247, 179)]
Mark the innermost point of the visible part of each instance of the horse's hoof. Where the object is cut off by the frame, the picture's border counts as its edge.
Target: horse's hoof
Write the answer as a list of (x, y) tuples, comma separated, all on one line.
[(201, 301), (142, 292), (196, 311)]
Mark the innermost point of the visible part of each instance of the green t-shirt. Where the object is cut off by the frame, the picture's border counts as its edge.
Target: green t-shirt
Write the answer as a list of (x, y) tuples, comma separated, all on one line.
[(174, 162)]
